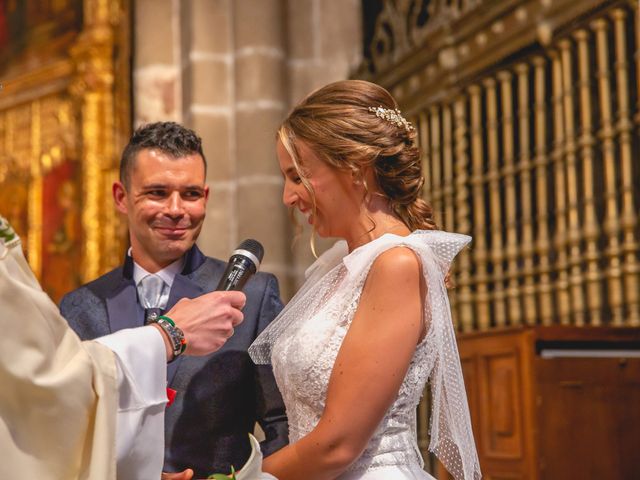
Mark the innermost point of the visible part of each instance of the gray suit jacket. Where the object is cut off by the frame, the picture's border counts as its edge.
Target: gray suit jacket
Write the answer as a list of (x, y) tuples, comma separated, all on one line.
[(219, 396)]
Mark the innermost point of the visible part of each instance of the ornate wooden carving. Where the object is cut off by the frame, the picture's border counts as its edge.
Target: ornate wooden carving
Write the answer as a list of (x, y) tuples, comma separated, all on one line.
[(529, 125), (545, 98), (63, 116)]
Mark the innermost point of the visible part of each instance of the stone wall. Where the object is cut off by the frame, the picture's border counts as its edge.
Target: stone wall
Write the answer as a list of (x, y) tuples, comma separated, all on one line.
[(231, 69)]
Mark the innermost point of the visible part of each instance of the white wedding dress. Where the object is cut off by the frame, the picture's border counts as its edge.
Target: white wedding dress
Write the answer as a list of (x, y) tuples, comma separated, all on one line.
[(303, 342)]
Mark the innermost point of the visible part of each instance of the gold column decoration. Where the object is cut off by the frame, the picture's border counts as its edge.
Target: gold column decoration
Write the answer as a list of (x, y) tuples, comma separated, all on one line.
[(542, 242), (495, 205), (574, 237), (514, 309), (10, 134), (465, 300), (606, 135), (480, 251), (447, 195), (447, 168), (637, 57), (112, 252), (93, 55), (591, 228), (531, 121), (436, 176), (423, 141), (629, 222), (527, 248), (560, 238), (34, 244)]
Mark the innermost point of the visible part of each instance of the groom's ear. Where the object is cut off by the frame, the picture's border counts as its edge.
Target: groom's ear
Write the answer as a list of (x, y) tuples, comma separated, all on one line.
[(119, 193)]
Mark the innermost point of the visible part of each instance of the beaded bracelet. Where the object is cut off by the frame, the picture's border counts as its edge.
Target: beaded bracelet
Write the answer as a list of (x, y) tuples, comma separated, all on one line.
[(175, 334)]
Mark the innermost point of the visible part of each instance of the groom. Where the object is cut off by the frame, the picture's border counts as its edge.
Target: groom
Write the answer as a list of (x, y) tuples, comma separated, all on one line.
[(219, 397)]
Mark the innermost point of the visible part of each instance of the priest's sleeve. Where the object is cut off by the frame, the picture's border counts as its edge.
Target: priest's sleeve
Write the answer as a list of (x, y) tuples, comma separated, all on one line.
[(65, 403)]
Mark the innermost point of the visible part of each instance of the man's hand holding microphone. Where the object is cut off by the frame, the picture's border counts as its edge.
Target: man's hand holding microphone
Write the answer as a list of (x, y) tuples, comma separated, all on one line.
[(205, 323)]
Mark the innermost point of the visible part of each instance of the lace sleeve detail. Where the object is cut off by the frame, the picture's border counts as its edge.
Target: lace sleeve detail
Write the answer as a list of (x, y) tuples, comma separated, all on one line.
[(321, 281)]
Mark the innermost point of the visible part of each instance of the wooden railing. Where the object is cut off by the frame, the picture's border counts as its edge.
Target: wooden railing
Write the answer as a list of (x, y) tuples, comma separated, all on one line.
[(535, 154)]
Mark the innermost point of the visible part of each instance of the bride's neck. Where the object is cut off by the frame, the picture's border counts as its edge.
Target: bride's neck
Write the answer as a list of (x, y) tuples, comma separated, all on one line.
[(374, 221)]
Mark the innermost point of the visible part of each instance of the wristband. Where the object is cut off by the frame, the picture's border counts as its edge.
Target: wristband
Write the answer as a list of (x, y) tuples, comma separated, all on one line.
[(175, 334)]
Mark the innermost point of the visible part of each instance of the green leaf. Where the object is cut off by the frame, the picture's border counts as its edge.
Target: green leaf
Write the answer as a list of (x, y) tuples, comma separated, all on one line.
[(222, 476)]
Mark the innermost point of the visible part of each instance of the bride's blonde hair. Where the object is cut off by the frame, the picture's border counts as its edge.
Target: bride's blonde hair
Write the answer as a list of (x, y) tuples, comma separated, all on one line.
[(336, 122)]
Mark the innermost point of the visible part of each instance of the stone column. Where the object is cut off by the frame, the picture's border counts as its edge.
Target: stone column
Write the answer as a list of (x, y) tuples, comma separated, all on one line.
[(157, 66), (324, 45), (231, 69), (260, 104), (209, 109)]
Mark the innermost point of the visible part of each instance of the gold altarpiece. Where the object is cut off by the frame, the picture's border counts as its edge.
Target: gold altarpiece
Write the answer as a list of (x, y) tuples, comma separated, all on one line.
[(64, 117), (528, 118)]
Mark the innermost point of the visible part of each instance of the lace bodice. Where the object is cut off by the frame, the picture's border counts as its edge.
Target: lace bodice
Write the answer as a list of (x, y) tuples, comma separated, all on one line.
[(312, 327)]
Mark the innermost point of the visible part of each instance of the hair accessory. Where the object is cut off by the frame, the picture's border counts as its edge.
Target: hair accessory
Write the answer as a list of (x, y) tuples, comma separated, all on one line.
[(393, 116), (175, 334)]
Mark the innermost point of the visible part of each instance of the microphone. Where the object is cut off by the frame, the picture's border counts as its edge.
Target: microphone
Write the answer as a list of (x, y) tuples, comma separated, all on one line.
[(244, 262)]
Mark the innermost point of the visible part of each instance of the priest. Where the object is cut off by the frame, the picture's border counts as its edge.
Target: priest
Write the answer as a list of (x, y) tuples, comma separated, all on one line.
[(90, 410)]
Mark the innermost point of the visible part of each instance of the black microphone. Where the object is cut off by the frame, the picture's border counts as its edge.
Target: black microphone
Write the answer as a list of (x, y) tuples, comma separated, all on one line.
[(244, 262)]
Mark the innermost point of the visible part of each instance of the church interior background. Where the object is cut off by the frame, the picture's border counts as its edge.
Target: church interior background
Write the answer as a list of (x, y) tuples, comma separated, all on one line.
[(528, 117)]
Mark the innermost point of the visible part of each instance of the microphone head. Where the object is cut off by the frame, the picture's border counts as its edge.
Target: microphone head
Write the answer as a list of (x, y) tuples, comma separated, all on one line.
[(253, 247)]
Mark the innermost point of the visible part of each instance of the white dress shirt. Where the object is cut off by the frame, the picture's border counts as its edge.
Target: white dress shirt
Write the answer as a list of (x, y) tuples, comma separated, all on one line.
[(167, 274)]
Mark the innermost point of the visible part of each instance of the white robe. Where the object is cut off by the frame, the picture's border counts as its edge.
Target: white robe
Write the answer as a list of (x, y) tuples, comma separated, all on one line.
[(71, 409)]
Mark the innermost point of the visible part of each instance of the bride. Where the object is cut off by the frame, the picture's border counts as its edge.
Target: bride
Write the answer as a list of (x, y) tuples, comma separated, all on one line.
[(355, 347)]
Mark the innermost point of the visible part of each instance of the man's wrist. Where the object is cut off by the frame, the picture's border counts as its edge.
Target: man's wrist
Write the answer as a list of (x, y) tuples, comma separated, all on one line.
[(168, 347), (173, 333)]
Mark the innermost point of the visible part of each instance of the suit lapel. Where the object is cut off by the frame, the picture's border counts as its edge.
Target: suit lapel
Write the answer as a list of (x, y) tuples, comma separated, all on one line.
[(183, 287), (123, 308)]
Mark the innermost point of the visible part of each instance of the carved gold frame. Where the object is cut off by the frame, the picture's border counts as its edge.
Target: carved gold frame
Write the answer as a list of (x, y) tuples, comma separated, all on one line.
[(87, 94)]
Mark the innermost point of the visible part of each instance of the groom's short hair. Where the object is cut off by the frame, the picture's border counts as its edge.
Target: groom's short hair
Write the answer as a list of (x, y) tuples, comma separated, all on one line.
[(170, 138)]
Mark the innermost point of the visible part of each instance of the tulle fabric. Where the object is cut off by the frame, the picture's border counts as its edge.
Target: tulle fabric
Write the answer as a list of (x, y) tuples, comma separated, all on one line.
[(303, 342)]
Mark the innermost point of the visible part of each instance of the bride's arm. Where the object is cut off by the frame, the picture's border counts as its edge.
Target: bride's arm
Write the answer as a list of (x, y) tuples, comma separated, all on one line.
[(369, 369)]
